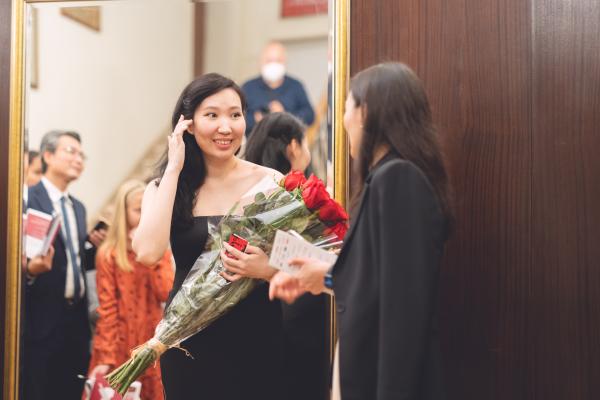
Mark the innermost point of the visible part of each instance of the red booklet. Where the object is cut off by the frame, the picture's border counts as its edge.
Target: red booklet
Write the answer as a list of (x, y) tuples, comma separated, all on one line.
[(237, 242), (40, 232)]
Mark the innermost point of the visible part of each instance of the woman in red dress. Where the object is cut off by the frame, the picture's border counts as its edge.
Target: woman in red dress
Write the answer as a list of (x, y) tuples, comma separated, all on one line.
[(131, 295)]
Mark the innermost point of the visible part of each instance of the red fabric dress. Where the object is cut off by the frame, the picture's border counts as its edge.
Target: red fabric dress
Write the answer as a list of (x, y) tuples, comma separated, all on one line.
[(130, 308)]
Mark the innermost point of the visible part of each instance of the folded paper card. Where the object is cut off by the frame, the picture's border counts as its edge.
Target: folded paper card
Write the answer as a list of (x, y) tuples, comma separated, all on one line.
[(288, 245)]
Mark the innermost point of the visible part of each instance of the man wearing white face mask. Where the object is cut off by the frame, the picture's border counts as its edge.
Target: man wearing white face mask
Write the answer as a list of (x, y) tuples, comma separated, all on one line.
[(274, 91)]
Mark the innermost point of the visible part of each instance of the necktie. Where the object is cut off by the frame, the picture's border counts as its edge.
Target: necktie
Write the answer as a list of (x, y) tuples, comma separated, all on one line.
[(71, 249)]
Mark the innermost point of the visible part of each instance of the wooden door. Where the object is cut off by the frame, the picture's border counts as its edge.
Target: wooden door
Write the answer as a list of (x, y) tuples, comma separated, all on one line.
[(515, 90)]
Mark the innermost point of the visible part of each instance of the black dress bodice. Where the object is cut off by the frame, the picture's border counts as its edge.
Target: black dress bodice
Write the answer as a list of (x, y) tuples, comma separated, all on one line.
[(239, 355), (187, 245)]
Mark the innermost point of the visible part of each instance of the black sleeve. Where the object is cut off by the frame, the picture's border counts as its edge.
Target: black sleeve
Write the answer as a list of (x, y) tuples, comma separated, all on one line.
[(409, 225)]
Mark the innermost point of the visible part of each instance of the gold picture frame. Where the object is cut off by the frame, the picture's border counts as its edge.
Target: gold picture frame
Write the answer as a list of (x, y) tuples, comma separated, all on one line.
[(341, 16)]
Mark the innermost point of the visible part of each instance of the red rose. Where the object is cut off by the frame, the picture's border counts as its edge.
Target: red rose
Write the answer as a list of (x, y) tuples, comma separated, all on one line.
[(293, 180), (332, 212), (314, 193), (339, 229)]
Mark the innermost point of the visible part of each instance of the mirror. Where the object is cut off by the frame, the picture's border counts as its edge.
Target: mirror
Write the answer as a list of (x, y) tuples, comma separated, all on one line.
[(112, 71)]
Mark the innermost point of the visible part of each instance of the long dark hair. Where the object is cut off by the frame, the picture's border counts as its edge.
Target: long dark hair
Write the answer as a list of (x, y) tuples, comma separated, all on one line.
[(397, 114), (268, 141), (194, 169)]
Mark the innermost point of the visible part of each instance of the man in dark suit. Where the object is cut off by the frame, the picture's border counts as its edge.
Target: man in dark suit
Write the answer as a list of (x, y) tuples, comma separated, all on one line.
[(57, 334)]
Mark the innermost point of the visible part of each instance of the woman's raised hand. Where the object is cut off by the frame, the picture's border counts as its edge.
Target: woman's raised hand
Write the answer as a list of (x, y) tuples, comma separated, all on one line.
[(253, 263), (177, 146)]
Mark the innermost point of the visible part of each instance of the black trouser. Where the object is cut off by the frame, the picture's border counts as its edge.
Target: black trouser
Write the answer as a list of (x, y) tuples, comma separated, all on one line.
[(51, 365)]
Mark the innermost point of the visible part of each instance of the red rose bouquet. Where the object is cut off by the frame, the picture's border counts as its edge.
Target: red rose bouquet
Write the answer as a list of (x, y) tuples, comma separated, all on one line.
[(317, 199), (294, 204)]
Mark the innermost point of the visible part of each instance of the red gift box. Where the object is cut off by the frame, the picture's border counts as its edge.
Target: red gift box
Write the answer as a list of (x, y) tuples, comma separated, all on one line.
[(238, 243)]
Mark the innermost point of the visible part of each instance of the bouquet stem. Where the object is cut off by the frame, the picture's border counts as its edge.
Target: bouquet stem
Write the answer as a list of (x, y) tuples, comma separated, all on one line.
[(141, 359)]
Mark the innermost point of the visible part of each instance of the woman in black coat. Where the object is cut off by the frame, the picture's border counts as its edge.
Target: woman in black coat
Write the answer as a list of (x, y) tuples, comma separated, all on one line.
[(386, 277)]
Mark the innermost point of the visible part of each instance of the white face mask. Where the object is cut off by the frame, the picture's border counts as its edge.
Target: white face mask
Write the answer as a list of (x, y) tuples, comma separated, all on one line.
[(273, 72)]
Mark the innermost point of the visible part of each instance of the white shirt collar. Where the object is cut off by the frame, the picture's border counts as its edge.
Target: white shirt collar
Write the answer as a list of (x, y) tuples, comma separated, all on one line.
[(53, 192)]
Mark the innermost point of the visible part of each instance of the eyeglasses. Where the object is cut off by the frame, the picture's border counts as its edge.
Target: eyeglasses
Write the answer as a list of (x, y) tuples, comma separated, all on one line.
[(72, 151)]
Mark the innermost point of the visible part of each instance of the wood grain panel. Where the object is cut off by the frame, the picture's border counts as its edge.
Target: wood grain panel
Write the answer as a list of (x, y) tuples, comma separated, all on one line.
[(477, 70), (5, 25), (565, 355), (474, 57)]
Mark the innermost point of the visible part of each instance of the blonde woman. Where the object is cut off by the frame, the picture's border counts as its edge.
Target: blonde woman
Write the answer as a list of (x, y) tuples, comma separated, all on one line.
[(130, 294)]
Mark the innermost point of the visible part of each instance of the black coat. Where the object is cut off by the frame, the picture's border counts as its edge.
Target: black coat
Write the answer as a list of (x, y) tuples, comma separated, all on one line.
[(386, 287), (45, 297)]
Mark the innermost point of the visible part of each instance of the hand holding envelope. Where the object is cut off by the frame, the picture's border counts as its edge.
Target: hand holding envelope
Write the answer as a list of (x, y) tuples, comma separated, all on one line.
[(302, 266)]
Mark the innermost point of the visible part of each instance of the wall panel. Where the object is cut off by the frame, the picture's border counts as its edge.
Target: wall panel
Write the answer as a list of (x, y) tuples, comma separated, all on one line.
[(515, 90)]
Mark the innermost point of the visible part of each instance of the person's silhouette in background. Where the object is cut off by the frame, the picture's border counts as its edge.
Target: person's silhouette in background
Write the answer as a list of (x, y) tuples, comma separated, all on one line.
[(274, 90)]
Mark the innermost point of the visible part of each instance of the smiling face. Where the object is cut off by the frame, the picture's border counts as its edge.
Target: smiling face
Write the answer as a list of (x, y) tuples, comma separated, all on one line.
[(219, 124)]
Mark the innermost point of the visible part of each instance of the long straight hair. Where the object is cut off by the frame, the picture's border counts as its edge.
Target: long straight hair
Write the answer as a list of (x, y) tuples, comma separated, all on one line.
[(397, 114), (267, 144), (115, 244), (193, 174)]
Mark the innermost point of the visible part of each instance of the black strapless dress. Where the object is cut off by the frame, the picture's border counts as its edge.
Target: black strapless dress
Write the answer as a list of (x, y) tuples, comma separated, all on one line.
[(239, 356)]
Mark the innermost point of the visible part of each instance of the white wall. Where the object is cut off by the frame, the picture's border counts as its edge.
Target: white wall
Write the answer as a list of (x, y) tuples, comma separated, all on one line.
[(237, 30), (307, 60), (117, 87)]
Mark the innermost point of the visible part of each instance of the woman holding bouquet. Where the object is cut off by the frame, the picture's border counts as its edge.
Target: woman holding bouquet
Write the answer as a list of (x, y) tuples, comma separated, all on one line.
[(130, 294), (199, 180), (278, 142), (386, 277)]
